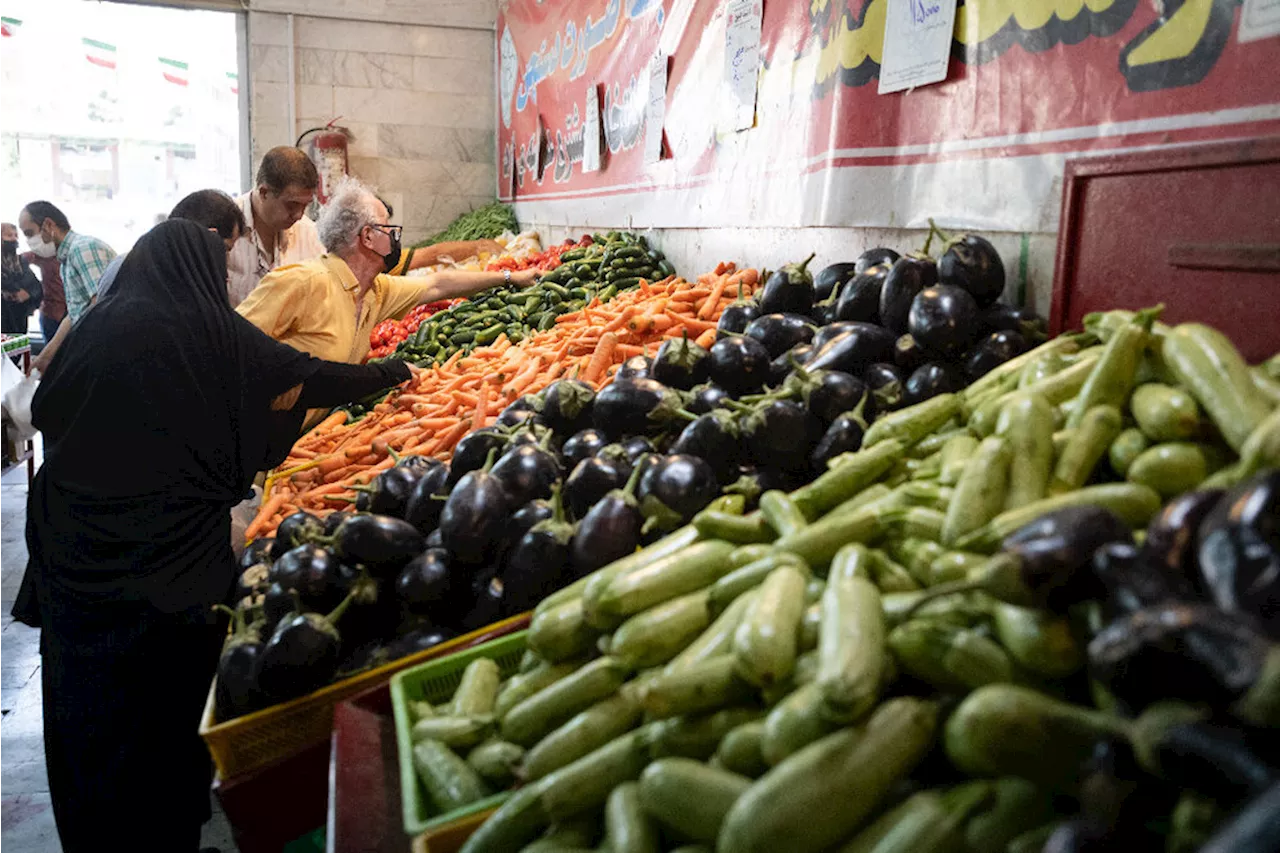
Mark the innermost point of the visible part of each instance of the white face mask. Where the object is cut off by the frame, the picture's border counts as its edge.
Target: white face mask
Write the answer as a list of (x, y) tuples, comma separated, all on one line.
[(37, 244)]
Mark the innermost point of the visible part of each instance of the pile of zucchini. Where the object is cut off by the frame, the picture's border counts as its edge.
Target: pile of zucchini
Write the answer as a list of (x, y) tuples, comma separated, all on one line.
[(922, 648), (613, 262)]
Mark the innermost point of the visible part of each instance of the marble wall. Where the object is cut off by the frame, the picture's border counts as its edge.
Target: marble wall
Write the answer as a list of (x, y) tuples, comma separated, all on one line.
[(418, 98)]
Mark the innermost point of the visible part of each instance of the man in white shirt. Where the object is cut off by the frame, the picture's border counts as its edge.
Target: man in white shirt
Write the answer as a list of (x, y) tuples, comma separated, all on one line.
[(277, 230)]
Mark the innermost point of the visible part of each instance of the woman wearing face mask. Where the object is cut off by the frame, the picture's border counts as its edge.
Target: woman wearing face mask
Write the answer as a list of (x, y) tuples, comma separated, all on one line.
[(157, 413), (328, 306), (21, 290)]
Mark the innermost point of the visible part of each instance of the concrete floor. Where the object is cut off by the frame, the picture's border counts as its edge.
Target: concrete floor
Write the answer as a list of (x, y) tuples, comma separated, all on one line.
[(26, 817)]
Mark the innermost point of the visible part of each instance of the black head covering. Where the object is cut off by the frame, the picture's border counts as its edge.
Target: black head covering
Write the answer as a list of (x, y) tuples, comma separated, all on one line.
[(155, 414)]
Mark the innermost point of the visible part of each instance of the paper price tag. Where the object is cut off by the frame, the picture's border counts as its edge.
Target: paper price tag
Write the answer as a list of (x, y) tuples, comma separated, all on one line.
[(591, 131), (655, 113), (742, 62), (917, 43)]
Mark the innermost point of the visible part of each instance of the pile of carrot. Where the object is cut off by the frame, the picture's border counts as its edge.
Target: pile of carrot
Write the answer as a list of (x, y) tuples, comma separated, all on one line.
[(430, 415)]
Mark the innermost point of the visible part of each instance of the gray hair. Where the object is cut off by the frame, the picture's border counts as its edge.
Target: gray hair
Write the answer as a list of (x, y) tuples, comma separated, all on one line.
[(352, 206)]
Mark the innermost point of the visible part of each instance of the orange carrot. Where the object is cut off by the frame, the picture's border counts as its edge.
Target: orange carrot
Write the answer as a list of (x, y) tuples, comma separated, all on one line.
[(265, 512), (713, 299), (691, 323), (707, 338), (601, 358)]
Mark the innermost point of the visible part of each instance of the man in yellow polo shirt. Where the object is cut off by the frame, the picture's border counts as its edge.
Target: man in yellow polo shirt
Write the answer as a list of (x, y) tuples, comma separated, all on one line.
[(328, 306)]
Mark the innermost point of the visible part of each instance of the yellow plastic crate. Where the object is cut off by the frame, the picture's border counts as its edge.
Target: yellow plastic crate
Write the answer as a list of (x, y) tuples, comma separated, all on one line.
[(265, 737)]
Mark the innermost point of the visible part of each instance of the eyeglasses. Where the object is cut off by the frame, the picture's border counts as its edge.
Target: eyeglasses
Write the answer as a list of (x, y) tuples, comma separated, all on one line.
[(392, 231)]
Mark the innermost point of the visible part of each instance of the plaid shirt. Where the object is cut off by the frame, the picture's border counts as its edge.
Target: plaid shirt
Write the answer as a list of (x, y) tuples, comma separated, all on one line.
[(83, 260)]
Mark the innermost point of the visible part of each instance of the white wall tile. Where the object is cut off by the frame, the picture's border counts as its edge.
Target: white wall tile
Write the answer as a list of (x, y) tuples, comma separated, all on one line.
[(445, 144), (443, 13), (315, 101), (265, 28), (269, 63), (453, 75)]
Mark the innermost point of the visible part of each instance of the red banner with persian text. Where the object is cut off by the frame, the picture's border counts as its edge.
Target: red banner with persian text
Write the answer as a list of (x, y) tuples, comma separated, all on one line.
[(1030, 83)]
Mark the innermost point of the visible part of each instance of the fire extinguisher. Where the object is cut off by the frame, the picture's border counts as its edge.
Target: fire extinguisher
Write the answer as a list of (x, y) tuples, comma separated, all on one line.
[(328, 150)]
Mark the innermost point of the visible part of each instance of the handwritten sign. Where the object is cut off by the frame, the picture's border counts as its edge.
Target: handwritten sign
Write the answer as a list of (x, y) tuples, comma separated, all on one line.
[(917, 43), (1259, 19), (591, 131), (742, 62), (655, 114)]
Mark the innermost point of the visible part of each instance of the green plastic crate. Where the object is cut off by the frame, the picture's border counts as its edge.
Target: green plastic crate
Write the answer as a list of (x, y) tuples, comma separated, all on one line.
[(435, 682)]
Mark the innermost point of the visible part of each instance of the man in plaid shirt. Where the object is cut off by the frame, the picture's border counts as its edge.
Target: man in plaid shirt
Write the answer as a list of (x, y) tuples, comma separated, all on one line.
[(82, 260)]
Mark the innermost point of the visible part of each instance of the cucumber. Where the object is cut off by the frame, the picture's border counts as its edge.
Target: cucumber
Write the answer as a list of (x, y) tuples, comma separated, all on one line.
[(1128, 446), (703, 686), (740, 750), (810, 626), (479, 689), (715, 640), (535, 717), (1165, 413), (690, 797), (456, 732), (948, 657), (821, 794), (583, 733), (496, 762), (517, 822), (1037, 640), (764, 645), (677, 574), (1019, 806), (851, 641), (450, 781), (661, 632), (980, 492), (585, 784), (698, 735), (735, 583), (1170, 468), (1208, 364), (1134, 504), (627, 828), (561, 632), (1084, 447), (1027, 424), (526, 684)]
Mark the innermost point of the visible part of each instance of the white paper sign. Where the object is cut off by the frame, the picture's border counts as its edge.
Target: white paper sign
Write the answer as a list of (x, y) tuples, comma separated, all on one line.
[(591, 131), (655, 113), (1259, 19), (742, 62), (917, 43)]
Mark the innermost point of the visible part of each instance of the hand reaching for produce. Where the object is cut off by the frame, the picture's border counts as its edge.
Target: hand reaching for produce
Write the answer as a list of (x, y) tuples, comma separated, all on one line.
[(524, 278)]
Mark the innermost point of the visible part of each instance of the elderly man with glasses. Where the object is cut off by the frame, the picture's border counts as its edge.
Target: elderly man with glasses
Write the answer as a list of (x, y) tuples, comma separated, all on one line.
[(328, 306)]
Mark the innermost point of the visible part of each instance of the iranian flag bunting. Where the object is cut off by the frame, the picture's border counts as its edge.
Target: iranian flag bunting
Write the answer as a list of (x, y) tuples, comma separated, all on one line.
[(174, 71), (99, 53), (8, 26), (235, 82)]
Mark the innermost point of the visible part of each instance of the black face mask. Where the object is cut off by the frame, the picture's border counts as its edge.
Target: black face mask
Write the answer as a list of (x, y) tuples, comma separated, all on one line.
[(391, 258)]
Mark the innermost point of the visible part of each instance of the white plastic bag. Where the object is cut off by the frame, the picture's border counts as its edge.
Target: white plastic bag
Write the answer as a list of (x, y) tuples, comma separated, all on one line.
[(18, 392)]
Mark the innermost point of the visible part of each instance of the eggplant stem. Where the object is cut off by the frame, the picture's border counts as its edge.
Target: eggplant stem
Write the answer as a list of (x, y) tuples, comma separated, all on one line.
[(395, 457), (928, 240), (684, 415), (633, 482), (491, 458), (337, 612), (339, 499)]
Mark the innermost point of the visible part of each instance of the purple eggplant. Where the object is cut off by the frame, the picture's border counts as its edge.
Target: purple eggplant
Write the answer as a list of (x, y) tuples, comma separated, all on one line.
[(676, 489), (680, 363), (522, 410), (253, 581), (427, 501), (844, 435), (930, 380), (419, 638), (472, 451), (435, 540), (714, 438), (423, 585), (784, 365), (527, 472), (314, 572), (972, 263), (1172, 543), (488, 601), (566, 406), (236, 692), (591, 480), (537, 564), (780, 332), (1240, 551), (295, 530), (831, 393), (944, 319), (609, 530), (992, 351), (474, 519), (334, 519), (277, 603), (1253, 829), (582, 445), (908, 355), (389, 492), (829, 332), (635, 407), (1000, 317), (302, 654), (739, 365), (829, 280), (258, 551), (860, 299), (637, 446), (781, 434), (636, 367), (1133, 580), (875, 257), (886, 384), (854, 349), (789, 290), (736, 317), (523, 519), (380, 543), (705, 398), (533, 433), (906, 278), (824, 313)]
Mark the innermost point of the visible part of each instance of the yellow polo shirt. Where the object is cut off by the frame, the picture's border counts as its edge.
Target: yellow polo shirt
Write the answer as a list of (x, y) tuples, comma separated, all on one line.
[(311, 306)]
